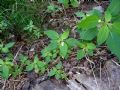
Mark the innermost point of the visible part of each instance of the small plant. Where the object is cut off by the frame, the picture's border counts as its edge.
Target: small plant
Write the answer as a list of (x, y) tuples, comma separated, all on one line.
[(5, 48), (105, 28), (58, 72), (53, 8), (37, 65), (31, 28), (86, 48), (5, 68), (67, 3), (59, 44)]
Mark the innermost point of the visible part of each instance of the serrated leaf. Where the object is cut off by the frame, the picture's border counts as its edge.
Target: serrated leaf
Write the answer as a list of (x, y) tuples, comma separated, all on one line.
[(72, 42), (103, 34), (88, 22), (63, 49), (88, 34), (80, 54), (65, 35), (113, 44), (108, 16), (52, 34)]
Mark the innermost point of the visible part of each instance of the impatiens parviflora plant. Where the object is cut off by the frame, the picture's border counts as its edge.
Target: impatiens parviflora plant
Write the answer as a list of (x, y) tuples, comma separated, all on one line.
[(37, 65), (67, 3), (104, 28), (5, 48), (6, 67), (58, 72), (59, 45), (32, 29), (86, 48)]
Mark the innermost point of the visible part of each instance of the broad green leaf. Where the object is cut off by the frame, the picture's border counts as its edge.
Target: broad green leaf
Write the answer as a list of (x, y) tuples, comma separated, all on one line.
[(1, 62), (114, 7), (30, 67), (36, 59), (88, 34), (80, 54), (65, 35), (5, 71), (52, 72), (5, 50), (52, 34), (74, 3), (113, 44), (53, 45), (59, 65), (63, 49), (108, 16), (88, 22), (91, 46), (103, 34), (58, 76), (72, 42), (80, 14), (116, 27), (9, 45)]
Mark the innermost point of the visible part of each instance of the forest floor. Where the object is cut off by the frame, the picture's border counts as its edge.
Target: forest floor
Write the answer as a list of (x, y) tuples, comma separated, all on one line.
[(99, 72)]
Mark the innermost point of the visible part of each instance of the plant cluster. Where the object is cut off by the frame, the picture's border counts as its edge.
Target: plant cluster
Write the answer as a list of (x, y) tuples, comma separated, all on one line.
[(94, 28)]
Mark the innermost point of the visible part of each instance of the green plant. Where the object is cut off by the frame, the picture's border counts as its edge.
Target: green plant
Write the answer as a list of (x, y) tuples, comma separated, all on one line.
[(53, 8), (59, 44), (32, 29), (5, 68), (66, 3), (86, 48), (58, 72), (37, 65), (5, 48), (104, 27)]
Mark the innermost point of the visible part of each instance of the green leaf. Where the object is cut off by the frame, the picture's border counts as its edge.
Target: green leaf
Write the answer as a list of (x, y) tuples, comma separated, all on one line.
[(74, 3), (89, 34), (1, 62), (53, 45), (108, 16), (5, 71), (103, 34), (88, 22), (52, 72), (72, 42), (113, 44), (91, 46), (63, 49), (80, 14), (9, 45), (114, 7), (116, 27), (59, 65), (65, 35), (5, 50), (80, 54), (30, 67), (52, 34)]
